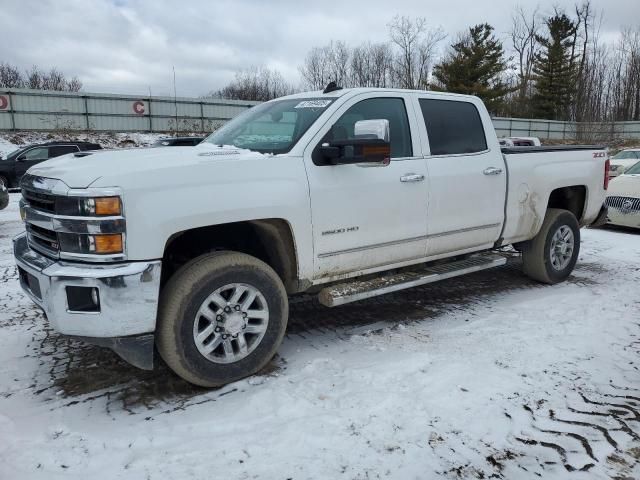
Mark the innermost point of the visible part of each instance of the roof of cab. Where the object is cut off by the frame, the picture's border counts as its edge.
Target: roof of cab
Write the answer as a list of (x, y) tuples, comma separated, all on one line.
[(359, 90)]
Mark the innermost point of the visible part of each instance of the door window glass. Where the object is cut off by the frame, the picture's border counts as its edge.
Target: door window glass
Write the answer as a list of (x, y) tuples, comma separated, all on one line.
[(62, 150), (41, 153), (453, 127), (392, 109)]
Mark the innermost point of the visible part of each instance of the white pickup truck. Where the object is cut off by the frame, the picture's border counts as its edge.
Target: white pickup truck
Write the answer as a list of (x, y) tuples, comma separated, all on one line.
[(344, 193)]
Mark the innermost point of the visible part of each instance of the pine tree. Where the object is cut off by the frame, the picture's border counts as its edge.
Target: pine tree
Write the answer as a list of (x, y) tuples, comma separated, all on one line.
[(475, 66), (555, 72)]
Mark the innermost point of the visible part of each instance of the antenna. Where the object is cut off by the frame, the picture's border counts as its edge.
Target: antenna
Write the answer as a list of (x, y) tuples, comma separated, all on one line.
[(331, 87), (175, 98)]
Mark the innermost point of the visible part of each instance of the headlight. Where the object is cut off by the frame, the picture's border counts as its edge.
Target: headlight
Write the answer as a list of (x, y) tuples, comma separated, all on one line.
[(89, 207)]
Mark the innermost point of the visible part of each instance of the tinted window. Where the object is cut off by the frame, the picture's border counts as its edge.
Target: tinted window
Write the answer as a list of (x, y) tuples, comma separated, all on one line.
[(62, 150), (37, 154), (453, 127), (392, 109)]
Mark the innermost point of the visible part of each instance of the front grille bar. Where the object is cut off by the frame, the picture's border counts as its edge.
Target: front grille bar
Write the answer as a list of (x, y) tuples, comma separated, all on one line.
[(40, 201), (628, 204)]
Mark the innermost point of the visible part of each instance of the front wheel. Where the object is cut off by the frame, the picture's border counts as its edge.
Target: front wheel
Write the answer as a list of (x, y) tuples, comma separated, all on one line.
[(222, 317), (551, 256)]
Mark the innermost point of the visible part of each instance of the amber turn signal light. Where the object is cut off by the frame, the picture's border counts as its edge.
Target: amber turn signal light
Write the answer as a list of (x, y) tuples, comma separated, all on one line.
[(108, 206), (108, 243)]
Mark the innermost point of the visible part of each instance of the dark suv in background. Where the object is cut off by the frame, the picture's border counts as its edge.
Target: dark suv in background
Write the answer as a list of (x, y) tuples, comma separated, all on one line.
[(19, 161), (177, 142)]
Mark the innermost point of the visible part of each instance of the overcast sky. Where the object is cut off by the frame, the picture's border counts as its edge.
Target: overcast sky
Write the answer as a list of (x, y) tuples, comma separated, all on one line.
[(130, 46)]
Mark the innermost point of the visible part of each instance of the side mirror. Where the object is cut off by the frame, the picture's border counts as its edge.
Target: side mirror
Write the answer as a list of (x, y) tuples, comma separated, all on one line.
[(21, 158), (370, 145)]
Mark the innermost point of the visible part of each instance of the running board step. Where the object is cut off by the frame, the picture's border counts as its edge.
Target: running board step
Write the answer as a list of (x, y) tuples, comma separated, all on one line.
[(360, 289)]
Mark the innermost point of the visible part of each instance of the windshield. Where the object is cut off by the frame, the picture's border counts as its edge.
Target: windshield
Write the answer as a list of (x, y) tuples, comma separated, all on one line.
[(272, 127), (635, 170), (627, 155), (13, 153)]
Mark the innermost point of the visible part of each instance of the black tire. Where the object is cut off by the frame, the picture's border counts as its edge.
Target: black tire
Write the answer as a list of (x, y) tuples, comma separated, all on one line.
[(183, 295), (4, 180), (536, 254)]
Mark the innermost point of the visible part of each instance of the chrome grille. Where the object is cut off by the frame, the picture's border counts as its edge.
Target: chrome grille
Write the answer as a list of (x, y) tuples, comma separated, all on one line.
[(40, 237), (624, 204), (46, 239), (59, 228), (40, 201)]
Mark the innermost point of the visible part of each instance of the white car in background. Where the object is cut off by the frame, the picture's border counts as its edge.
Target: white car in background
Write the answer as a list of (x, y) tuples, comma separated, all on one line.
[(623, 198), (623, 160), (520, 142)]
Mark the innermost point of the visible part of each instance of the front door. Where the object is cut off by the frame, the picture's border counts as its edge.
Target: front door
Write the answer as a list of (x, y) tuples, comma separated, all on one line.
[(366, 216), (30, 158), (467, 176)]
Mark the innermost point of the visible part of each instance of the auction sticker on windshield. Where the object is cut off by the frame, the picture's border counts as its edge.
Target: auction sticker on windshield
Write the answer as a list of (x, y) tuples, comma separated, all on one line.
[(313, 104)]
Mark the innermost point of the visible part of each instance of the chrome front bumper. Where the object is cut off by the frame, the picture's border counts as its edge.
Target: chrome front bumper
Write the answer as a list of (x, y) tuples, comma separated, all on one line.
[(128, 293)]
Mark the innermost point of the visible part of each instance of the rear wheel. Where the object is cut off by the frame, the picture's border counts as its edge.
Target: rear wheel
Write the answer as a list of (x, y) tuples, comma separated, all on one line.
[(222, 317), (552, 255)]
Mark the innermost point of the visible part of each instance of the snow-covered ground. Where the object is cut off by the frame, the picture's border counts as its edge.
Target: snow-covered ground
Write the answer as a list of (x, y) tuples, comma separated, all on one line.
[(486, 376)]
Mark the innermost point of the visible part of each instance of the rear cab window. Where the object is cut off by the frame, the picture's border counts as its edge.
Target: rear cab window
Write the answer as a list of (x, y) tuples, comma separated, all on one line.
[(454, 127)]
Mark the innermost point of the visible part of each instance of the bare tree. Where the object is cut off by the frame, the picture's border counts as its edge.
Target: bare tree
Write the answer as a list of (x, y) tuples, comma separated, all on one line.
[(417, 45), (524, 28), (74, 84), (326, 64), (10, 76), (584, 24), (316, 70), (55, 80), (37, 79), (371, 65), (255, 83), (34, 79), (339, 58)]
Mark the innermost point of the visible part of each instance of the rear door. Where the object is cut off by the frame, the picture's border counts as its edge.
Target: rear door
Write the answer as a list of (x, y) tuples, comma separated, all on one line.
[(367, 216), (467, 175)]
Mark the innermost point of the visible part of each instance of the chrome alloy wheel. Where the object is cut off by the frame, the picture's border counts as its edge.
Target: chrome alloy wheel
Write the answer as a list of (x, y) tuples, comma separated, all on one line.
[(230, 323), (562, 246)]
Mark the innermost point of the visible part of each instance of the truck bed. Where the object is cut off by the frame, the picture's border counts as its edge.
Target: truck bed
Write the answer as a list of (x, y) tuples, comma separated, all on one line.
[(534, 173), (550, 148)]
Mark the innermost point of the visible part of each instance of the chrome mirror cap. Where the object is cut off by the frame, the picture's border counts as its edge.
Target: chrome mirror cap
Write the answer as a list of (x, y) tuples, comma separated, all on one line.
[(377, 129)]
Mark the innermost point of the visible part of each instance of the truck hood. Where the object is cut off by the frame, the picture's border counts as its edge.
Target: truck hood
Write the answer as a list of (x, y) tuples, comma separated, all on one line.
[(119, 168), (625, 186)]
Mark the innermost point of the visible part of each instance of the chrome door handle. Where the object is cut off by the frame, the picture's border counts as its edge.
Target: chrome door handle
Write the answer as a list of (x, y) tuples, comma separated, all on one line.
[(412, 177), (492, 171)]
